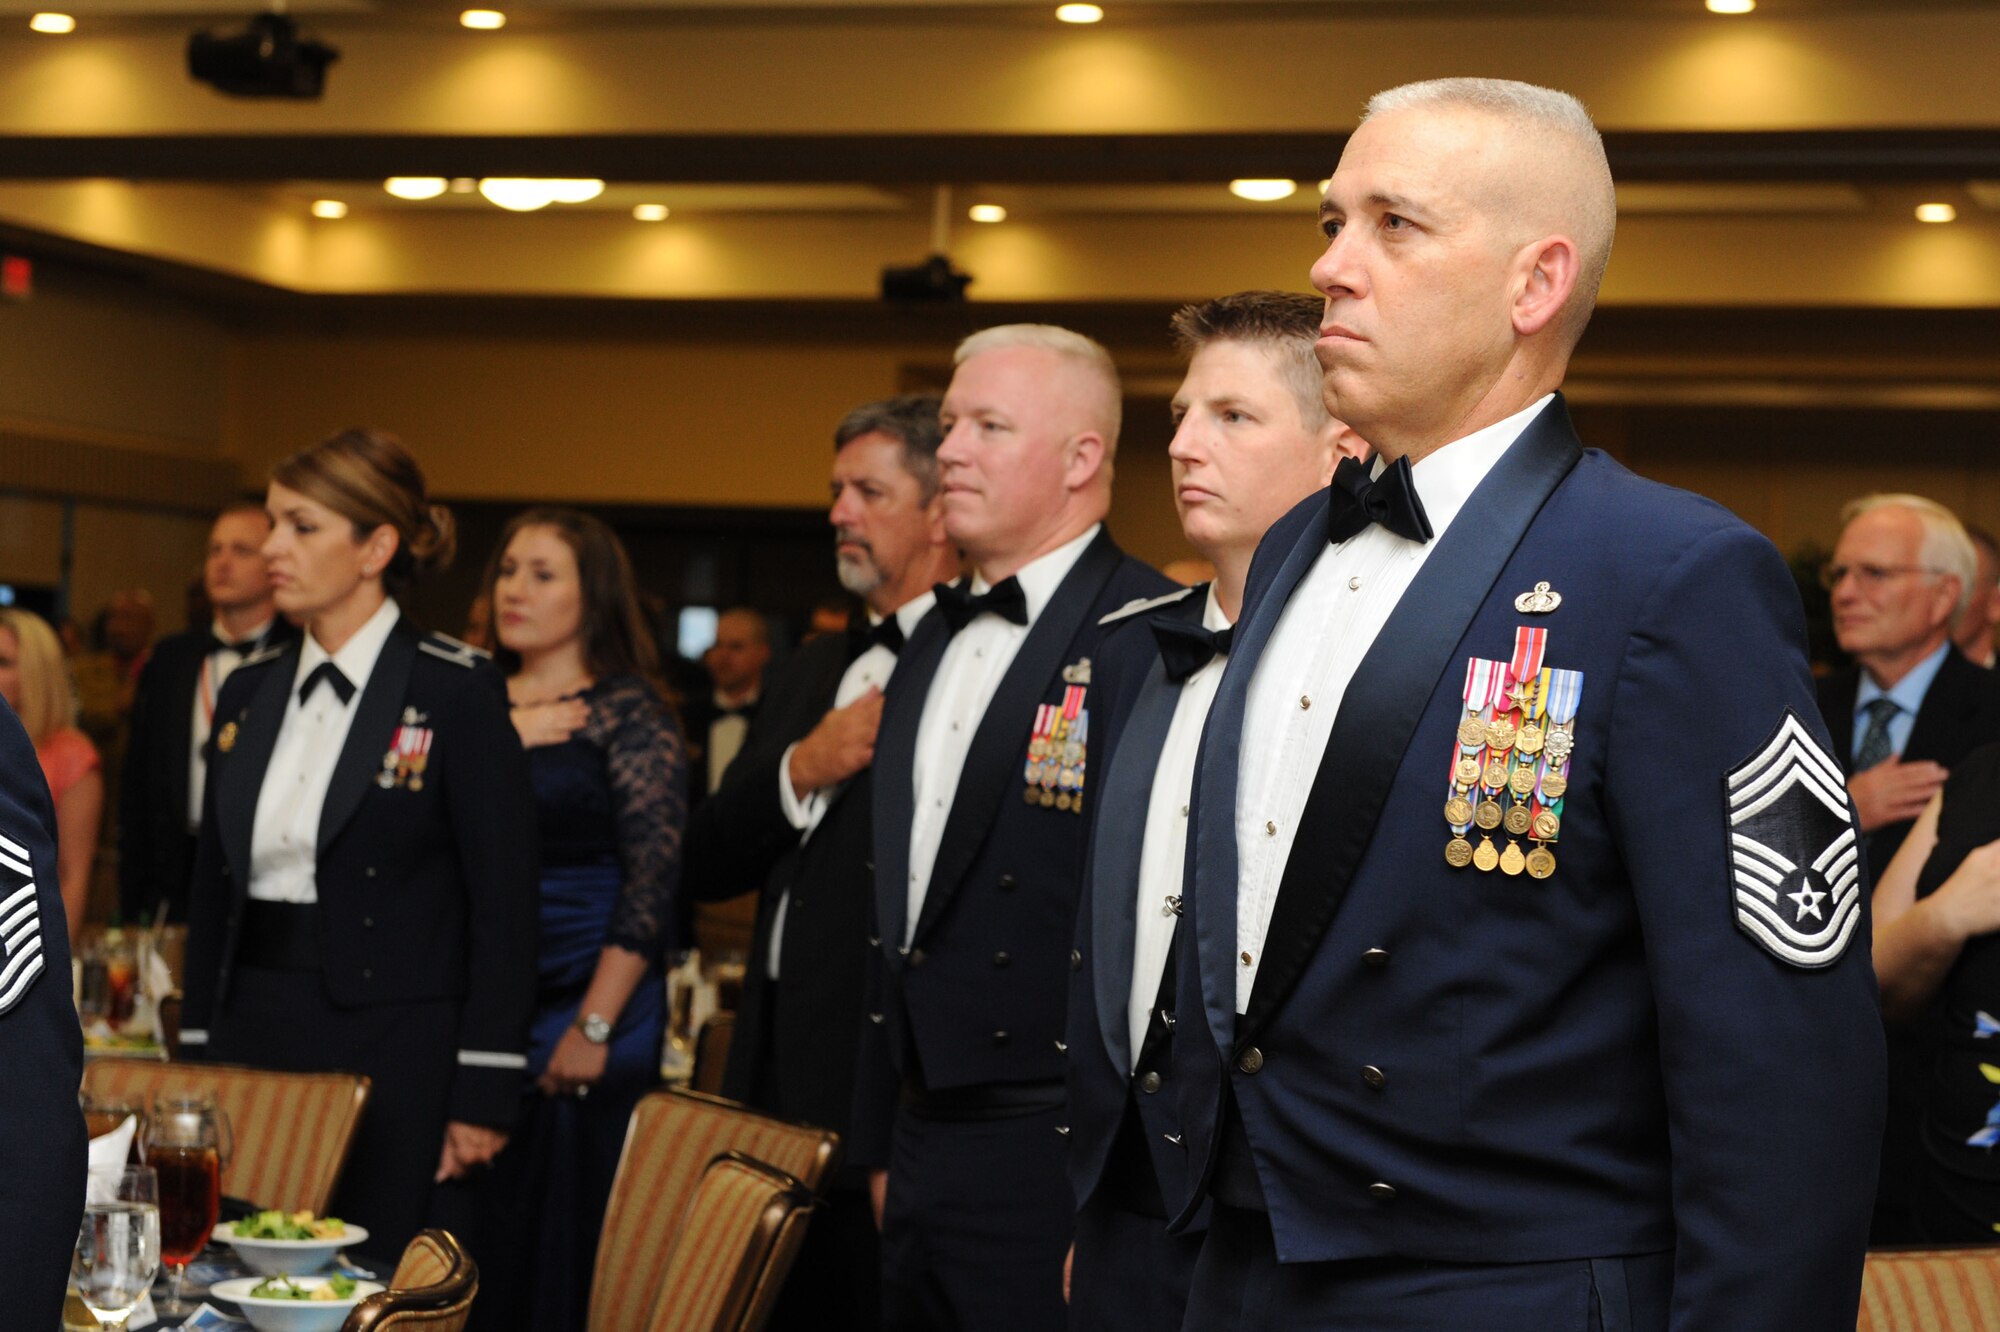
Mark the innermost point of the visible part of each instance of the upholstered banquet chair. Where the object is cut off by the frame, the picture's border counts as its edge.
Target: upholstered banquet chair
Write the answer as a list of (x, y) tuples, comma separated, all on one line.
[(742, 1232), (292, 1130), (1931, 1290), (432, 1290), (673, 1137)]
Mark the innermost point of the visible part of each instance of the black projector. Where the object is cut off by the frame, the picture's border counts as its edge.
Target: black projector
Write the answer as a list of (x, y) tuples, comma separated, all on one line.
[(268, 59)]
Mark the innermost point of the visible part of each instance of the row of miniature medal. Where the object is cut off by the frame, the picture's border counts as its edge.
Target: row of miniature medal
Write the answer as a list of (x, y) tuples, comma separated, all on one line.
[(1513, 744), (409, 754), (1057, 753)]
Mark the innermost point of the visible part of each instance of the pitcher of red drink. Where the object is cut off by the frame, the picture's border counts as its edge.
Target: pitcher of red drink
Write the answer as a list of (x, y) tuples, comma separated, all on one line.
[(187, 1144)]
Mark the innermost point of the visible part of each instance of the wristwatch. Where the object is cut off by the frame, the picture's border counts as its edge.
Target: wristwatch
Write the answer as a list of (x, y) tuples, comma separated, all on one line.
[(595, 1028)]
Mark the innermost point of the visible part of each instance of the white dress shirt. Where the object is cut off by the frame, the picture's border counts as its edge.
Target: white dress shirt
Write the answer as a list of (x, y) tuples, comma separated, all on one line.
[(968, 675), (725, 736), (284, 841), (870, 670), (215, 668), (1163, 853), (1321, 637)]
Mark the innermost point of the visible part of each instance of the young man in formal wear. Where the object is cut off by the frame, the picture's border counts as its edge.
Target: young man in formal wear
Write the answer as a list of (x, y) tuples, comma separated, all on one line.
[(41, 1046), (983, 769), (173, 711), (793, 817), (1252, 438), (1528, 979)]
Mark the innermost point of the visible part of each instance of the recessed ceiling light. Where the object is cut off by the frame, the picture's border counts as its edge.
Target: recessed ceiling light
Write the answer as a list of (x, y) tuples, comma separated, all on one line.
[(463, 185), (416, 187), (1079, 13), (485, 20), (330, 209), (1936, 212), (1731, 6), (53, 24), (519, 194), (1263, 191), (986, 213), (651, 212)]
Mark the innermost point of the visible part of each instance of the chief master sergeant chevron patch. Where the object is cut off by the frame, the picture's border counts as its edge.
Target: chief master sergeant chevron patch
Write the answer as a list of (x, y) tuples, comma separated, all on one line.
[(1794, 858)]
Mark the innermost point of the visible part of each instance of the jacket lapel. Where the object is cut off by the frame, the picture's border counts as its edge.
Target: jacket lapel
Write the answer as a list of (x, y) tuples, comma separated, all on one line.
[(894, 766), (1941, 718), (990, 766), (1388, 695), (241, 778), (368, 738), (1123, 803), (1210, 895)]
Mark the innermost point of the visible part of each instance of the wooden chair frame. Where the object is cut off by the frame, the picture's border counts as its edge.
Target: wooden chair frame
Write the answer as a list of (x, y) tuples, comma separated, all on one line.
[(450, 1297)]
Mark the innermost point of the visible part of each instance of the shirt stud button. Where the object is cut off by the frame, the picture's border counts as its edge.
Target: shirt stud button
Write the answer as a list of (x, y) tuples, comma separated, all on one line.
[(1354, 585), (1305, 702), (1270, 829), (1245, 957)]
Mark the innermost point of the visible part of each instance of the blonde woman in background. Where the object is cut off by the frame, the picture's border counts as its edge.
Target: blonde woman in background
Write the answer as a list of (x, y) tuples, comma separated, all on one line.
[(36, 685)]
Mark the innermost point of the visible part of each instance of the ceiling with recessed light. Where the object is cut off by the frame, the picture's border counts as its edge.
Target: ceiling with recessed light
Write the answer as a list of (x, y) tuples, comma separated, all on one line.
[(768, 150)]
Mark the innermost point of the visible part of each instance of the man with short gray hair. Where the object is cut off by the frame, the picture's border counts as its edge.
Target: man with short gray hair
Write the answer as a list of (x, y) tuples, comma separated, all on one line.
[(984, 765), (1586, 1037)]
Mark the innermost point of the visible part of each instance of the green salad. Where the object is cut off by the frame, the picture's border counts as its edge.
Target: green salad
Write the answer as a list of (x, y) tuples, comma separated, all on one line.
[(290, 1226), (335, 1287)]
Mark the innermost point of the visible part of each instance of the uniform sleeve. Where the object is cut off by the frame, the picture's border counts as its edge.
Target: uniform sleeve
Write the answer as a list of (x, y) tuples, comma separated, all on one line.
[(207, 926), (1771, 1053), (647, 759), (877, 1087), (491, 805), (41, 1047)]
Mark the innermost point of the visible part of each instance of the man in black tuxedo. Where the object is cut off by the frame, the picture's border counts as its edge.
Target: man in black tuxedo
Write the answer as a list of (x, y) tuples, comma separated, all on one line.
[(41, 1046), (792, 815), (1901, 578), (1252, 438), (173, 709), (981, 762)]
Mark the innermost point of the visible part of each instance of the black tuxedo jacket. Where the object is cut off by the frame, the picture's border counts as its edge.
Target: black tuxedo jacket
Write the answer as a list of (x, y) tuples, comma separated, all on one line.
[(1136, 701), (41, 1046), (424, 895), (977, 995), (1960, 712), (796, 1040), (155, 852)]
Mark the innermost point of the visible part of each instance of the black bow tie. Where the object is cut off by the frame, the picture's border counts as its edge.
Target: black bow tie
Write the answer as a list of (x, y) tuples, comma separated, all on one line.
[(1390, 499), (861, 636), (960, 607), (1186, 648), (343, 687), (241, 649)]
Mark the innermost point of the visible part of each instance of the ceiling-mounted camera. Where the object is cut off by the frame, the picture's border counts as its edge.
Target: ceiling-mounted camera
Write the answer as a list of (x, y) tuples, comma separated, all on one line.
[(267, 59)]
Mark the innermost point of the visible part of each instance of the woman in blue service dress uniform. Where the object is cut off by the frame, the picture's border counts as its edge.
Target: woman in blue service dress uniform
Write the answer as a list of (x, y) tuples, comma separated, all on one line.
[(610, 778), (364, 888)]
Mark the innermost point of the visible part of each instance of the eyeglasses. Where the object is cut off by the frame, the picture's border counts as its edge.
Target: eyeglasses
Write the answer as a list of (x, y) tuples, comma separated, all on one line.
[(1870, 576)]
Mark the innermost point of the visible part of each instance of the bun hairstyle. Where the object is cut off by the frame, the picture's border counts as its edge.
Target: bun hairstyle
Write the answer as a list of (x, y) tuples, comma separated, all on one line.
[(370, 479)]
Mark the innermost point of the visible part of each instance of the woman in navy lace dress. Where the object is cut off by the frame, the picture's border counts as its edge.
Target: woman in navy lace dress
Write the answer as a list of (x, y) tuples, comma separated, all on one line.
[(610, 777)]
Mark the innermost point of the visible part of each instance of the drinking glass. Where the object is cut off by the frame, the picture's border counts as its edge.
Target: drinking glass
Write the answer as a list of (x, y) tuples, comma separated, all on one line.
[(187, 1144), (104, 1114), (118, 1245)]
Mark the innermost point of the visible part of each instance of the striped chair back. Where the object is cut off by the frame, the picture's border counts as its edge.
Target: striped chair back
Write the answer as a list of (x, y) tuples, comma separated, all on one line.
[(292, 1130), (432, 1290), (742, 1233), (673, 1136), (1931, 1290)]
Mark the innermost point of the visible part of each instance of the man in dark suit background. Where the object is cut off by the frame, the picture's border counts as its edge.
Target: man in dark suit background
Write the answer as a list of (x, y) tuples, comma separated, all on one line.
[(1901, 577), (173, 710), (41, 1047), (793, 815), (982, 758), (1251, 438), (1612, 1066), (1974, 635)]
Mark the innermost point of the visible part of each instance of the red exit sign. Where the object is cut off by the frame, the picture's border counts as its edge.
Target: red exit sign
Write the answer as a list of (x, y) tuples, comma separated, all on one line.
[(17, 277)]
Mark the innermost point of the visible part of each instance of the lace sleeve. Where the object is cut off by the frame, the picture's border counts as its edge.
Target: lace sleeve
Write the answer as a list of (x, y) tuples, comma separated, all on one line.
[(646, 758)]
